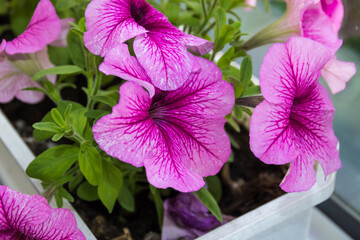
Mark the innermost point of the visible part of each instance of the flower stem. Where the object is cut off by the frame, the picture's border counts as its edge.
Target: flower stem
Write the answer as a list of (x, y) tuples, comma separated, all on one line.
[(207, 18)]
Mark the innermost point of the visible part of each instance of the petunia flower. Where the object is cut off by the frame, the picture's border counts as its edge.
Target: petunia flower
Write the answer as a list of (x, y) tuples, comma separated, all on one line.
[(251, 3), (294, 122), (160, 47), (25, 217), (177, 135), (25, 55), (185, 217), (321, 23)]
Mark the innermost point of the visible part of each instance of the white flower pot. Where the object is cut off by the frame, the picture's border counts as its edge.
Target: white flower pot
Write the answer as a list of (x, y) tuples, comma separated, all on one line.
[(286, 217)]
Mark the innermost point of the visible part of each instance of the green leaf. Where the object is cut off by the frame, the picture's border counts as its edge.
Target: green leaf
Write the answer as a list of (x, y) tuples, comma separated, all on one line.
[(55, 114), (233, 124), (94, 114), (104, 99), (62, 5), (126, 199), (76, 181), (58, 199), (53, 163), (246, 72), (159, 204), (215, 188), (90, 163), (238, 87), (238, 112), (78, 120), (47, 126), (210, 203), (220, 19), (66, 69), (87, 192), (225, 60), (251, 91), (225, 4), (109, 188), (34, 89), (75, 48), (65, 194), (58, 55), (57, 137)]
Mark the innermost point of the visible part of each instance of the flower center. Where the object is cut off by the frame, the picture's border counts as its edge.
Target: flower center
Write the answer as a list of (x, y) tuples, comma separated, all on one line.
[(138, 13)]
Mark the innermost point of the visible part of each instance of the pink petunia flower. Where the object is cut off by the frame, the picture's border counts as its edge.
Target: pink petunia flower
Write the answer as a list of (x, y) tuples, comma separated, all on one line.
[(177, 135), (24, 217), (160, 47), (25, 55), (294, 122), (321, 22), (251, 3)]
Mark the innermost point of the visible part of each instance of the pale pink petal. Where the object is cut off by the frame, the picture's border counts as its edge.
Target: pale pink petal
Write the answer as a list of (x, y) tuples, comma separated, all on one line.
[(111, 22), (60, 41), (198, 45), (335, 10), (251, 3), (20, 211), (337, 73), (291, 69), (164, 58), (271, 135), (300, 176), (178, 136), (118, 62), (2, 50), (317, 26), (43, 28), (60, 225), (27, 96), (43, 58)]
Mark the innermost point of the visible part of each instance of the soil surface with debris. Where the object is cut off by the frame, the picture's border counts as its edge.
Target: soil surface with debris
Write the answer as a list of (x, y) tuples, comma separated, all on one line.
[(247, 183)]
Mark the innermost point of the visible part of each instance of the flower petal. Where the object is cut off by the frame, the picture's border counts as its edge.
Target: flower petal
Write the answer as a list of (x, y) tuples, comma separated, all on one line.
[(61, 224), (118, 62), (198, 45), (19, 211), (301, 176), (43, 28), (164, 58), (288, 70), (127, 132), (60, 41), (337, 73), (28, 96), (271, 136), (317, 26), (110, 22), (335, 10)]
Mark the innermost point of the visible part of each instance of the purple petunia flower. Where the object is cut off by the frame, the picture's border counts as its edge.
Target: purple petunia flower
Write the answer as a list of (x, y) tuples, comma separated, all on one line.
[(177, 135), (25, 217), (185, 217), (160, 47), (25, 55), (294, 122)]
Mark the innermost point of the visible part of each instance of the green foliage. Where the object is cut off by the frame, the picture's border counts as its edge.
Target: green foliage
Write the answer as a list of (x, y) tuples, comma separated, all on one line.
[(90, 163), (210, 203), (87, 192), (59, 70), (126, 199), (159, 204), (53, 163), (214, 186), (109, 188)]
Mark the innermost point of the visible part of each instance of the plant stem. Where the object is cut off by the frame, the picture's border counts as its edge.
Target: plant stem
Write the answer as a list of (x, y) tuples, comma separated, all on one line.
[(208, 17), (49, 193)]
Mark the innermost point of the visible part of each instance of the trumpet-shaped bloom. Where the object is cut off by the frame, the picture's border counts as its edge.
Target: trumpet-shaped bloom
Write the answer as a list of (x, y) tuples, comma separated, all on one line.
[(25, 217), (185, 217), (160, 47), (177, 135), (321, 23), (25, 55), (294, 122)]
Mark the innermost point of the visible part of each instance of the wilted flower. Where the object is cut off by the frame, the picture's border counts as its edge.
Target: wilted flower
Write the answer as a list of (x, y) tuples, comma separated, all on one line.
[(160, 47), (25, 55), (24, 217), (294, 122), (177, 135), (185, 217)]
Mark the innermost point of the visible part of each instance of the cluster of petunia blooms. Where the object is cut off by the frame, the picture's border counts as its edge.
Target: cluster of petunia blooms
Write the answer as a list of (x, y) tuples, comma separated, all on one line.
[(171, 114)]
